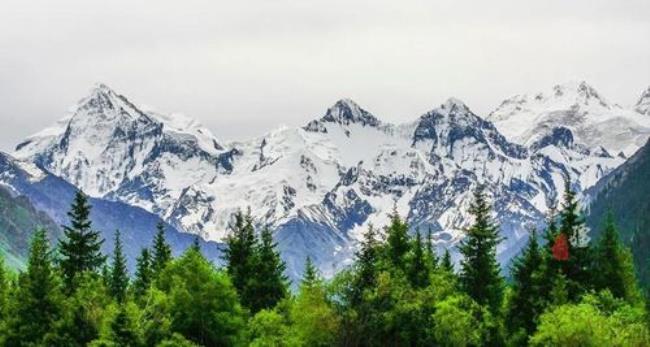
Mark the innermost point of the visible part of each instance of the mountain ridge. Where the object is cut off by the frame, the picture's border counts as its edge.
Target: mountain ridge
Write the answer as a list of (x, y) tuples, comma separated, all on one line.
[(320, 185)]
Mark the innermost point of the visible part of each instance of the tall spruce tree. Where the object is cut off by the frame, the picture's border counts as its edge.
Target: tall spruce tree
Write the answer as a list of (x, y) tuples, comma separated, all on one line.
[(480, 276), (310, 276), (240, 255), (398, 244), (80, 249), (572, 225), (446, 263), (418, 271), (36, 302), (366, 265), (143, 273), (119, 275), (432, 258), (526, 304), (162, 252), (613, 265), (270, 284)]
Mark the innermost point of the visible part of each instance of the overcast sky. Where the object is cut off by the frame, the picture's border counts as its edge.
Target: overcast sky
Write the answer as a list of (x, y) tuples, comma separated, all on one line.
[(245, 67)]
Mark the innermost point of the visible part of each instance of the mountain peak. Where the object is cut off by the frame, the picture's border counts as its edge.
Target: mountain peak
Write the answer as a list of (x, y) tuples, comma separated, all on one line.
[(454, 105), (643, 105), (579, 92), (344, 112)]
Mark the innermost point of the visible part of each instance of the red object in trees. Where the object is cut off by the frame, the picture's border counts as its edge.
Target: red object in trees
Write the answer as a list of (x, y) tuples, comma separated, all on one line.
[(561, 248)]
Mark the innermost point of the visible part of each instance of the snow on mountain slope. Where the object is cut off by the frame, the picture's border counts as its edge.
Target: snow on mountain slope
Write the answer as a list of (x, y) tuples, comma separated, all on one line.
[(577, 106), (321, 185)]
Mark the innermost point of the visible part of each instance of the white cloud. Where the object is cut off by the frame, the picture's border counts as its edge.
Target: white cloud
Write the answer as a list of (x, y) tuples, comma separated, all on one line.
[(245, 67)]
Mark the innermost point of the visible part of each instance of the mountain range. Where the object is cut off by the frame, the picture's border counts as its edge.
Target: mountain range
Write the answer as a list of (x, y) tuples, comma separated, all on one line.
[(321, 185)]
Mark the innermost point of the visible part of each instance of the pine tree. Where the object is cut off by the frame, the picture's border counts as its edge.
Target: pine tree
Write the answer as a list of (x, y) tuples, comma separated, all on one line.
[(559, 293), (119, 275), (366, 274), (36, 302), (123, 330), (432, 258), (525, 304), (143, 273), (240, 254), (310, 276), (397, 241), (446, 263), (480, 276), (572, 225), (81, 247), (270, 284), (418, 271), (613, 268), (162, 252)]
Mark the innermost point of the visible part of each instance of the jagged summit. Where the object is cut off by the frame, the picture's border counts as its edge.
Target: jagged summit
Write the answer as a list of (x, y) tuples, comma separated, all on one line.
[(575, 106), (643, 105), (344, 112)]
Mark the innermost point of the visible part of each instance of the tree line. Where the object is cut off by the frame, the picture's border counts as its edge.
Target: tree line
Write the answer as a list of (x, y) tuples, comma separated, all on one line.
[(563, 290)]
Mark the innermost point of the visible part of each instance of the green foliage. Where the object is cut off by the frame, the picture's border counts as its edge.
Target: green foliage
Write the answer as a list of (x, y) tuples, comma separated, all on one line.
[(398, 243), (36, 304), (457, 322), (418, 270), (268, 328), (613, 264), (310, 276), (480, 275), (176, 340), (525, 303), (313, 321), (446, 263), (162, 252), (119, 278), (120, 328), (240, 256), (203, 304), (80, 248), (596, 321), (82, 313), (143, 274), (268, 284)]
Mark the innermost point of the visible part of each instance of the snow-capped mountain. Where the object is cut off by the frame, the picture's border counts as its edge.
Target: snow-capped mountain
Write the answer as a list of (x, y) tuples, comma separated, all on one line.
[(319, 186), (593, 120), (44, 197)]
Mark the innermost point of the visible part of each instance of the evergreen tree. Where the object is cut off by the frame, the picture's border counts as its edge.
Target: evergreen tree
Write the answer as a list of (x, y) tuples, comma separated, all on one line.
[(80, 248), (431, 256), (418, 271), (162, 252), (123, 331), (572, 225), (119, 275), (240, 254), (525, 304), (310, 276), (613, 268), (446, 263), (143, 273), (480, 276), (105, 274), (202, 304), (366, 274), (397, 241), (36, 303), (270, 284)]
